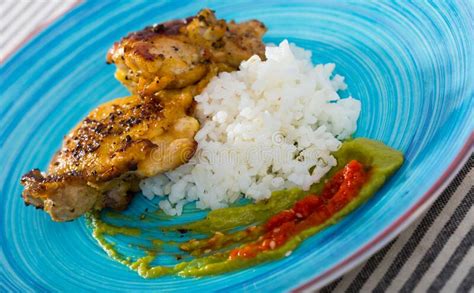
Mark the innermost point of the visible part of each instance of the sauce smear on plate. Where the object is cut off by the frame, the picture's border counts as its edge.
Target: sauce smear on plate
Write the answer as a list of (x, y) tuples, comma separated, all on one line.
[(237, 237), (308, 212)]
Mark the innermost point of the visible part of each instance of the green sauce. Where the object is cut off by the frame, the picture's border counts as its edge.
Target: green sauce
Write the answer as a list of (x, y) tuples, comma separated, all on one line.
[(211, 254)]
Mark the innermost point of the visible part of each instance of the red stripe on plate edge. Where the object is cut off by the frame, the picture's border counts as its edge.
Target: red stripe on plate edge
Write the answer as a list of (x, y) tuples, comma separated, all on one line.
[(396, 227)]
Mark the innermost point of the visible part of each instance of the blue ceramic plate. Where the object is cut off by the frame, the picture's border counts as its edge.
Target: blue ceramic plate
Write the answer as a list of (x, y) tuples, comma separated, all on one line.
[(410, 65)]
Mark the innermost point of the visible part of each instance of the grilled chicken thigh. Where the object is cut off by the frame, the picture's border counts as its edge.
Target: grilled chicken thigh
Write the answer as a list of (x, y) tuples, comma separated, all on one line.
[(150, 132), (179, 53), (105, 156)]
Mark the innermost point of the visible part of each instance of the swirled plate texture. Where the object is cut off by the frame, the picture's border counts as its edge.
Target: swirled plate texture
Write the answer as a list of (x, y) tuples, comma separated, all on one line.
[(411, 65)]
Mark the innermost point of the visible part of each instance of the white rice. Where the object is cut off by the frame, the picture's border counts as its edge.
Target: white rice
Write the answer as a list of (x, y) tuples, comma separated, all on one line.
[(269, 126)]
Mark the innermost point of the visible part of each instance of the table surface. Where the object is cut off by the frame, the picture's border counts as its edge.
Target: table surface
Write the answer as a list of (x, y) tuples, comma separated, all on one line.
[(435, 253)]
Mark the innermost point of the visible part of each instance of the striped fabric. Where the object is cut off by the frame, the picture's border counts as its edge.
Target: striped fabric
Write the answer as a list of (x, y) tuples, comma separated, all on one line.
[(435, 254), (22, 19)]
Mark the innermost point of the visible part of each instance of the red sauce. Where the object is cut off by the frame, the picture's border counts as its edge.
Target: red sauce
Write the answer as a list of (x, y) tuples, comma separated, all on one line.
[(310, 211)]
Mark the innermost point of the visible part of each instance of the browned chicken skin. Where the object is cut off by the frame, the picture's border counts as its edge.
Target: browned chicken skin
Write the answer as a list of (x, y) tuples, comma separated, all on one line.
[(103, 158), (116, 145), (179, 53), (151, 131)]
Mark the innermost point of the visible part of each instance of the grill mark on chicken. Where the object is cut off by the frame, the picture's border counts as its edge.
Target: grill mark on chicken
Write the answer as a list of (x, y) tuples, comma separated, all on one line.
[(167, 28), (92, 132), (148, 33)]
